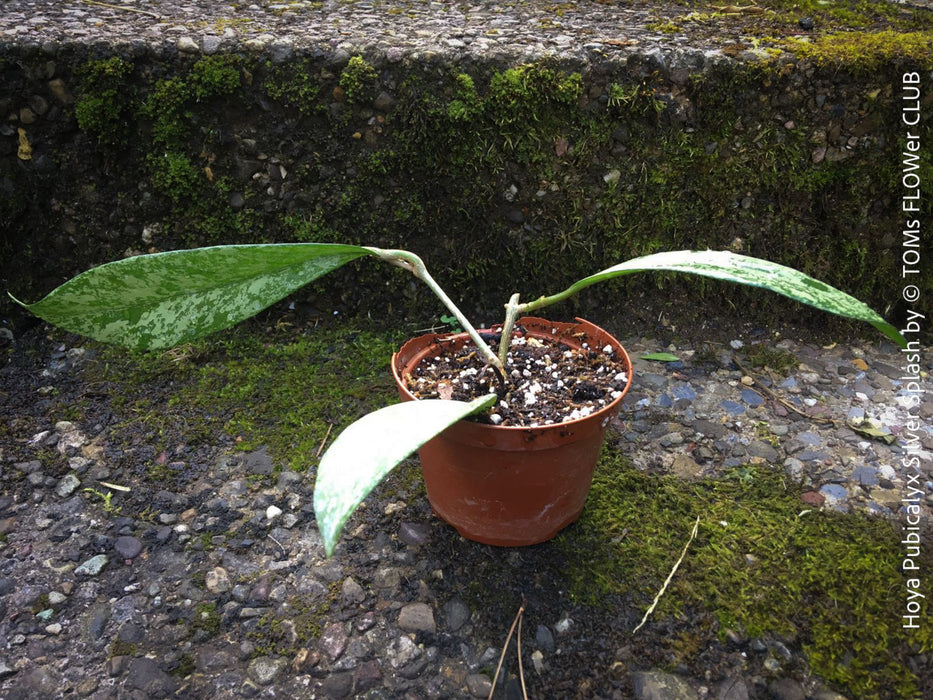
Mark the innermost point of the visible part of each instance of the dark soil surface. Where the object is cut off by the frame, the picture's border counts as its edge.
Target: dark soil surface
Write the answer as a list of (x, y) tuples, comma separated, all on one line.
[(546, 382)]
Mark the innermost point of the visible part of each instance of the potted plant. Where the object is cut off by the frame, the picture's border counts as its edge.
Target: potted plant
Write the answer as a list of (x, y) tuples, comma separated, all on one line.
[(165, 299)]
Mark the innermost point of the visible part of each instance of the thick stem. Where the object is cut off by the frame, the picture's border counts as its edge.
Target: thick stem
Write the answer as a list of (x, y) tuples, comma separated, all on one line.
[(512, 309), (415, 265)]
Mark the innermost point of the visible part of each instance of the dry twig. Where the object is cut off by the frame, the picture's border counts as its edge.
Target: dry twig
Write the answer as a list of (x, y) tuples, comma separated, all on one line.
[(320, 449), (779, 399), (517, 621), (670, 576)]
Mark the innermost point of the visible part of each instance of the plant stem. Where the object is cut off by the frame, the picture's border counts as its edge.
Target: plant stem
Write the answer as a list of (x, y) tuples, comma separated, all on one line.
[(415, 265), (512, 309), (543, 301)]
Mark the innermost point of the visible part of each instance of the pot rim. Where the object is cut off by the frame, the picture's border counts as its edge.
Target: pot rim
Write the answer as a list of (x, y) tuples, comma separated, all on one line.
[(609, 408)]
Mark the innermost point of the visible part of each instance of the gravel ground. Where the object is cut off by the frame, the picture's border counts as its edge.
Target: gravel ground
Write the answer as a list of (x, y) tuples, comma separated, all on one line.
[(462, 31), (217, 586)]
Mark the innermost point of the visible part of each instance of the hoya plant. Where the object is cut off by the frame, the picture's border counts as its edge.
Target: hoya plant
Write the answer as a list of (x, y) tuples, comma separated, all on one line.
[(161, 300)]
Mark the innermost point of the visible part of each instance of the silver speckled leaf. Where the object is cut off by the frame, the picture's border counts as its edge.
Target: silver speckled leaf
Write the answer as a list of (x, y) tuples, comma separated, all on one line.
[(370, 448), (732, 267), (165, 299)]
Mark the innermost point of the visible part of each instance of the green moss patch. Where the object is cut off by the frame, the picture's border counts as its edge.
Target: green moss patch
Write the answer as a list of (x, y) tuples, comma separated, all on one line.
[(287, 392), (290, 395), (763, 562), (867, 51)]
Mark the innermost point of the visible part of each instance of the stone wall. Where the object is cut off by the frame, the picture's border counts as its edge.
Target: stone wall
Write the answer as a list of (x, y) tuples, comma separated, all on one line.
[(503, 176)]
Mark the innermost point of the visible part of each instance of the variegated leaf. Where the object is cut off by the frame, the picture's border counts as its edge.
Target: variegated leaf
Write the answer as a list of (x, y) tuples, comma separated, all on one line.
[(732, 267), (367, 450), (165, 299)]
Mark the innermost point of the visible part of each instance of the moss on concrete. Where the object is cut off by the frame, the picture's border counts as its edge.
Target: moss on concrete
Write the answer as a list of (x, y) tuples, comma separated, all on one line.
[(287, 391), (530, 176), (863, 52), (764, 564)]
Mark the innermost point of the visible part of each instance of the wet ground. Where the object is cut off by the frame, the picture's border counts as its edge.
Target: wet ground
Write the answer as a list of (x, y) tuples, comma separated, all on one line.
[(154, 546)]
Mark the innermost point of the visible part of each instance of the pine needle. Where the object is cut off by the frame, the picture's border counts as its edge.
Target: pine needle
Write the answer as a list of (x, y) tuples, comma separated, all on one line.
[(670, 576), (517, 621)]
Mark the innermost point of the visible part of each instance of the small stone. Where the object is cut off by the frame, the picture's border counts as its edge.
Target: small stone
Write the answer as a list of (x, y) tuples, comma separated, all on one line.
[(146, 675), (478, 685), (563, 625), (835, 495), (805, 23), (686, 467), (187, 45), (272, 512), (351, 593), (93, 566), (367, 676), (762, 450), (417, 617), (57, 598), (544, 639), (456, 614), (384, 102), (96, 620), (54, 629), (127, 547), (261, 589), (732, 689), (414, 534), (813, 498), (334, 640), (657, 685), (786, 689), (733, 408), (237, 201), (39, 682), (86, 687), (537, 660), (58, 88), (865, 476), (210, 44), (265, 669), (67, 485), (402, 651), (217, 580)]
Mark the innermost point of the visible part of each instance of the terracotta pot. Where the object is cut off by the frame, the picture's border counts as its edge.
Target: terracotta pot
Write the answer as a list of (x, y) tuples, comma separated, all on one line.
[(512, 486)]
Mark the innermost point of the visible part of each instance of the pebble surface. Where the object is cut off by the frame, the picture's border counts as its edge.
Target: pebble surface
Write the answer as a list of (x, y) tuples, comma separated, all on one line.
[(146, 608), (424, 30)]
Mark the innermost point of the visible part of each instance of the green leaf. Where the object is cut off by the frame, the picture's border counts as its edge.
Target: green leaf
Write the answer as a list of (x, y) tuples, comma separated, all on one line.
[(867, 429), (660, 357), (367, 450), (165, 299), (731, 267)]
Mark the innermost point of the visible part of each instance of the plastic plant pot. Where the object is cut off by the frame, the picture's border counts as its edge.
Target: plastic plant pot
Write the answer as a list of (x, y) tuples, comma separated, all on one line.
[(505, 485)]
